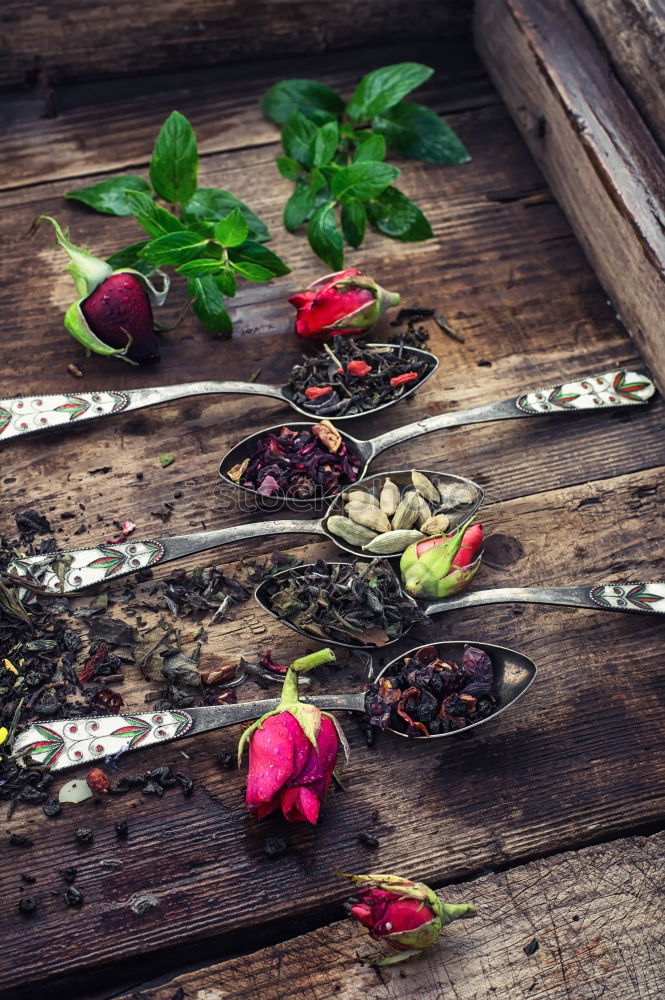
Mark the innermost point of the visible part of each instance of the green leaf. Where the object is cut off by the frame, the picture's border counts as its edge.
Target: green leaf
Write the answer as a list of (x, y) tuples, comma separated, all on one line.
[(384, 87), (174, 249), (253, 272), (209, 304), (393, 214), (110, 196), (150, 216), (324, 145), (414, 130), (226, 282), (325, 238), (363, 180), (175, 160), (165, 460), (288, 168), (354, 220), (212, 204), (233, 230), (297, 134), (373, 147), (256, 253), (130, 257), (199, 268), (300, 95), (299, 207)]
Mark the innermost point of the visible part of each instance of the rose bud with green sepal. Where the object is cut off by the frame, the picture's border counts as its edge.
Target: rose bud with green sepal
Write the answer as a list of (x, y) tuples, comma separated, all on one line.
[(440, 567), (292, 752), (407, 915), (113, 316), (346, 302)]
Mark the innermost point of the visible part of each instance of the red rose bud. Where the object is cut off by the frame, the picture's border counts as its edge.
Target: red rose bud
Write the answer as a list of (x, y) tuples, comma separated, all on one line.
[(346, 302), (113, 316), (314, 392), (358, 368), (403, 379), (292, 752), (440, 567), (407, 915)]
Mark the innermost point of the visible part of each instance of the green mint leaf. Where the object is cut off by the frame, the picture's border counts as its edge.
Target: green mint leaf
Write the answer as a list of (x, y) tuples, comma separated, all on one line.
[(150, 216), (288, 168), (175, 160), (393, 214), (363, 180), (414, 130), (354, 220), (253, 272), (324, 144), (174, 249), (372, 147), (384, 87), (256, 253), (199, 268), (233, 230), (226, 282), (319, 179), (129, 257), (110, 196), (208, 304), (325, 238), (299, 207), (212, 204), (300, 95), (297, 134)]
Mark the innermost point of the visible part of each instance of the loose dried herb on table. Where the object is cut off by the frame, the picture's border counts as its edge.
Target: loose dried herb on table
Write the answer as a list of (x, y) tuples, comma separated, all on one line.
[(351, 377), (355, 602), (428, 696), (303, 465)]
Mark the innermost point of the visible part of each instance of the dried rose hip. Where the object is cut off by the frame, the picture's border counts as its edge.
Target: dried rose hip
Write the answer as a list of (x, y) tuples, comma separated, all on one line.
[(97, 781)]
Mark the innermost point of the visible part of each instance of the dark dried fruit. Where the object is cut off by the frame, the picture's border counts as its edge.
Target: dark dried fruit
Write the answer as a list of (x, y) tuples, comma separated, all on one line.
[(186, 783), (84, 834), (532, 947), (52, 807), (274, 847), (27, 904), (73, 896), (367, 840), (121, 828), (69, 874)]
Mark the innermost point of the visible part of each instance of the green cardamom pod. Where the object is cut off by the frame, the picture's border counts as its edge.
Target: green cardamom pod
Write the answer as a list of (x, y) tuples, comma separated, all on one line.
[(389, 497), (406, 514), (370, 517), (425, 486), (344, 527), (393, 542)]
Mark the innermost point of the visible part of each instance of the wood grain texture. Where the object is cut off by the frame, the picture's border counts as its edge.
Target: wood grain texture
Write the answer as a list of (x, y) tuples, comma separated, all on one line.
[(581, 758), (633, 32), (595, 915), (602, 163), (82, 41)]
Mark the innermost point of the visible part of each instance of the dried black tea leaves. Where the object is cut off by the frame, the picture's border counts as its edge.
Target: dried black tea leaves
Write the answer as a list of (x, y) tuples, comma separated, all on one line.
[(428, 697), (359, 602)]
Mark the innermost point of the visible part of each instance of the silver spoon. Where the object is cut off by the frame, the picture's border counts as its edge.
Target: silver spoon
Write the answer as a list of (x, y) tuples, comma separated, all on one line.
[(608, 390), (65, 743), (71, 570), (23, 415), (646, 597)]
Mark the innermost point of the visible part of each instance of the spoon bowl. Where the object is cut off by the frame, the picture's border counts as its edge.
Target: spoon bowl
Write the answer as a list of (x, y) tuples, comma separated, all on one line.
[(514, 673)]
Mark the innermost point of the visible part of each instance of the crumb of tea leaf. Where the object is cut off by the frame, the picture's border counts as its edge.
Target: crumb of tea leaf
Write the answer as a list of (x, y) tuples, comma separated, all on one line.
[(75, 371), (166, 460)]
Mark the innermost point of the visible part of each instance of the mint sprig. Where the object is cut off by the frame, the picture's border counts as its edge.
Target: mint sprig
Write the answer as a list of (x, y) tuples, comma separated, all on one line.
[(207, 235), (334, 152)]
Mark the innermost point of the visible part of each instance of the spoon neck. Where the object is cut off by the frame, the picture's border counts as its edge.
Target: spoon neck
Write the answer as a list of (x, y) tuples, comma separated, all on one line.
[(565, 596), (492, 411)]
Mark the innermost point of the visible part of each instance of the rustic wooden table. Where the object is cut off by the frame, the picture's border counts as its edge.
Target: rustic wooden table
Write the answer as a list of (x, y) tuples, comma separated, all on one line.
[(549, 820)]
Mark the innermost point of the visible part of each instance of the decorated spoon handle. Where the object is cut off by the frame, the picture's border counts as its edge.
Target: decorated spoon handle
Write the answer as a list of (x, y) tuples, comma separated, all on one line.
[(23, 415), (70, 570), (65, 743), (606, 391), (648, 597)]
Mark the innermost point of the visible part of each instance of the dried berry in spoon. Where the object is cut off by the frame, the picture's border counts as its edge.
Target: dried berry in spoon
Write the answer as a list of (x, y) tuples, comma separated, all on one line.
[(349, 377), (428, 697), (345, 602), (299, 464)]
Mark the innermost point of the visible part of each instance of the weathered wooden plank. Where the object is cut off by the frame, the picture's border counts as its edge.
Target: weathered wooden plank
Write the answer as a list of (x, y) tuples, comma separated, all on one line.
[(598, 156), (47, 43), (593, 913), (582, 756), (222, 103), (633, 32)]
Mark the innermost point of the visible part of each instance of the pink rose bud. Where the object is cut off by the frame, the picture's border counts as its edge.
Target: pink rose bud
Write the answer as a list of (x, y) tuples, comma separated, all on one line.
[(407, 915), (440, 567), (346, 302)]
